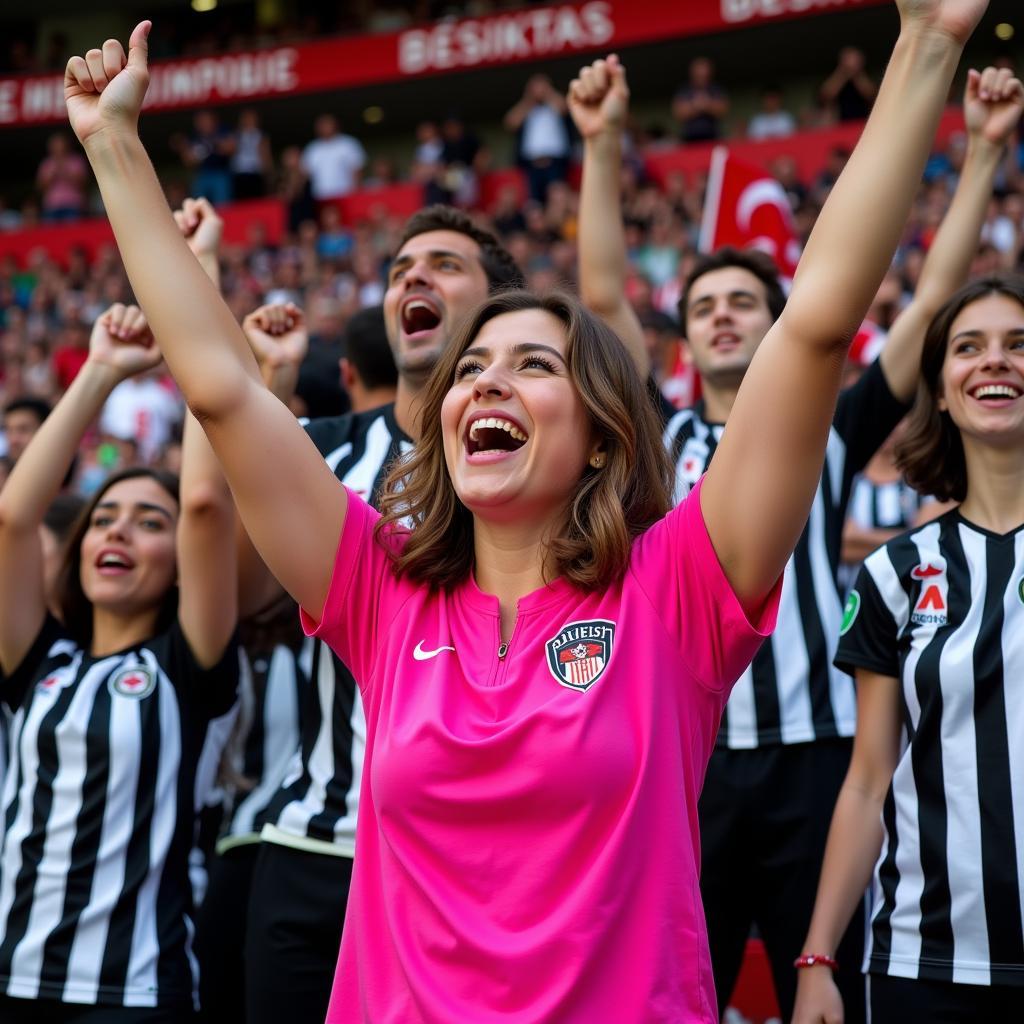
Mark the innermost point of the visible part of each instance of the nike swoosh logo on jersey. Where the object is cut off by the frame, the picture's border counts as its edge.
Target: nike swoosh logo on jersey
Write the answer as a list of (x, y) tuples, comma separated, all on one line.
[(421, 655)]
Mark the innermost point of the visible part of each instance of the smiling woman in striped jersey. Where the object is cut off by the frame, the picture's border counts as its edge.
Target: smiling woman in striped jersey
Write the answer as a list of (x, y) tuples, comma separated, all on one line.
[(120, 712), (934, 632)]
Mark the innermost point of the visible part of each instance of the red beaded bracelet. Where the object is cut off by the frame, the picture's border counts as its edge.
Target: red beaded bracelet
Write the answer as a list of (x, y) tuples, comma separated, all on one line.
[(816, 959)]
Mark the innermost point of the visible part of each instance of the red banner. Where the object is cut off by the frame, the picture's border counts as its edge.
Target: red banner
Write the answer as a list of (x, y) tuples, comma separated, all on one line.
[(539, 33)]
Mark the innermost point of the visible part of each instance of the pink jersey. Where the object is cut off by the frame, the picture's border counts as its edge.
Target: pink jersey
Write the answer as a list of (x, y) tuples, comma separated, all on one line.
[(527, 847)]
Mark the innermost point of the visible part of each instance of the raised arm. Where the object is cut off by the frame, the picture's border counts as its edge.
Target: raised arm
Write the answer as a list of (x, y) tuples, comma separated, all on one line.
[(119, 347), (290, 502), (854, 840), (759, 488), (207, 563), (599, 101), (993, 102)]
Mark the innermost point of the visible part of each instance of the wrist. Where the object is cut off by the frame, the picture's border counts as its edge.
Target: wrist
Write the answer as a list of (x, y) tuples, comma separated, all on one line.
[(604, 139), (815, 961), (985, 150), (101, 375)]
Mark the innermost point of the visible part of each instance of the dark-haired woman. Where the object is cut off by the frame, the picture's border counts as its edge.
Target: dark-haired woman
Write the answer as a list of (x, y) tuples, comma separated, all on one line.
[(544, 656), (934, 633), (120, 709)]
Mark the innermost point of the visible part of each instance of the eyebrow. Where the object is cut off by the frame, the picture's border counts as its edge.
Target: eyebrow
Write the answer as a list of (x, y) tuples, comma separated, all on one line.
[(975, 334), (520, 348), (434, 254), (140, 506), (738, 293)]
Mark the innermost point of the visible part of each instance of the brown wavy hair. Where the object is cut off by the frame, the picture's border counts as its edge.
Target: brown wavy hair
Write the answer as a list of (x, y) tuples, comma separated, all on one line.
[(931, 454), (609, 507)]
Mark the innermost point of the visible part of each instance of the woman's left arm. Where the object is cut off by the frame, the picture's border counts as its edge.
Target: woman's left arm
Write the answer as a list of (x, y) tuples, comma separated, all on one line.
[(760, 485), (207, 559)]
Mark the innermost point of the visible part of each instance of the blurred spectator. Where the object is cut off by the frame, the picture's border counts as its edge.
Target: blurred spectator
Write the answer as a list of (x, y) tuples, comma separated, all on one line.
[(771, 121), (507, 212), (786, 173), (71, 353), (700, 105), (429, 144), (367, 368), (462, 157), (543, 141), (22, 418), (61, 180), (294, 189), (251, 163), (207, 152), (333, 242), (143, 410), (849, 91), (383, 172), (333, 161)]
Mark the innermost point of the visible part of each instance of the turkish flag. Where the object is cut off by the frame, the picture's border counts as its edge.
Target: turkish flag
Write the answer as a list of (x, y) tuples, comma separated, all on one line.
[(747, 208)]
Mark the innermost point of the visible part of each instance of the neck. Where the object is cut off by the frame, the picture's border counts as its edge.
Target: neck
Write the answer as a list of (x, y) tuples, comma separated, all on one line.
[(364, 399), (995, 487), (408, 396), (113, 631), (718, 401), (509, 560)]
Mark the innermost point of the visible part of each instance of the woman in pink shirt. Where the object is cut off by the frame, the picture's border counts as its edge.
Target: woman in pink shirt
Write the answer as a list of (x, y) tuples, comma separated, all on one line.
[(544, 656)]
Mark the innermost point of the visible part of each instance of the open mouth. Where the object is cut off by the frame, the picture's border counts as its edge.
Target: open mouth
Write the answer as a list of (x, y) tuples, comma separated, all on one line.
[(112, 563), (494, 434), (419, 316), (996, 393), (725, 340)]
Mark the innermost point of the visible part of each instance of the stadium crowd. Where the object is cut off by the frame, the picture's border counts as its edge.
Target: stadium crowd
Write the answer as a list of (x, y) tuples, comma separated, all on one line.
[(319, 313)]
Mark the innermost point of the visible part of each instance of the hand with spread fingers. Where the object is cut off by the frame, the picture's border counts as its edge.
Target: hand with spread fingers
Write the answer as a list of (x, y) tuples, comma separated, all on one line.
[(277, 336), (599, 97), (993, 103), (104, 89), (122, 341)]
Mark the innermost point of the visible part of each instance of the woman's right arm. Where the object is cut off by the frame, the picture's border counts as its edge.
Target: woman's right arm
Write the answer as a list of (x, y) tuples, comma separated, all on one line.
[(290, 502), (118, 348), (854, 842)]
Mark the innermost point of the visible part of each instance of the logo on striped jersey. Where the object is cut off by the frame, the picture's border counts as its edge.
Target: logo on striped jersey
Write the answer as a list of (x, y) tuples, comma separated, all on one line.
[(1020, 590), (932, 605), (579, 654), (850, 612), (137, 682)]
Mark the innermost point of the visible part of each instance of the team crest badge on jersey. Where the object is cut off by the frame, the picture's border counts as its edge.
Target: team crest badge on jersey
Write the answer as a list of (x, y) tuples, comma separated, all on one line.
[(932, 605), (850, 612), (1020, 589), (48, 684), (579, 654), (692, 462), (137, 682)]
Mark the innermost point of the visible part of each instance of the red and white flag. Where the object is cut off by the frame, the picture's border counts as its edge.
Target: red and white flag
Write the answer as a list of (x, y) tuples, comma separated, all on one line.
[(747, 208)]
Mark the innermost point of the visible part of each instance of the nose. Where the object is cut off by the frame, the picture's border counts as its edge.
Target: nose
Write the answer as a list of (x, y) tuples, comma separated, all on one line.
[(491, 382), (118, 528), (722, 312), (995, 356), (418, 272)]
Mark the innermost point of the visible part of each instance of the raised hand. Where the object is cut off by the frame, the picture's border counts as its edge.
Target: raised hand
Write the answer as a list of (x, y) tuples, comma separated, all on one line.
[(277, 336), (104, 89), (122, 341), (201, 226), (993, 103), (956, 18), (599, 97)]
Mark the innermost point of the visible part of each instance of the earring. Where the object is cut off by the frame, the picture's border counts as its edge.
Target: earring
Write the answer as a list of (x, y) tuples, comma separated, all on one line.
[(597, 460)]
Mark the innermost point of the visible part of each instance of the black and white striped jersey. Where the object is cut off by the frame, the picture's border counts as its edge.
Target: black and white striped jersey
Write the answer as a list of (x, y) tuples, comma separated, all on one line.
[(110, 758), (316, 806), (277, 660), (892, 505), (791, 693), (941, 609)]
